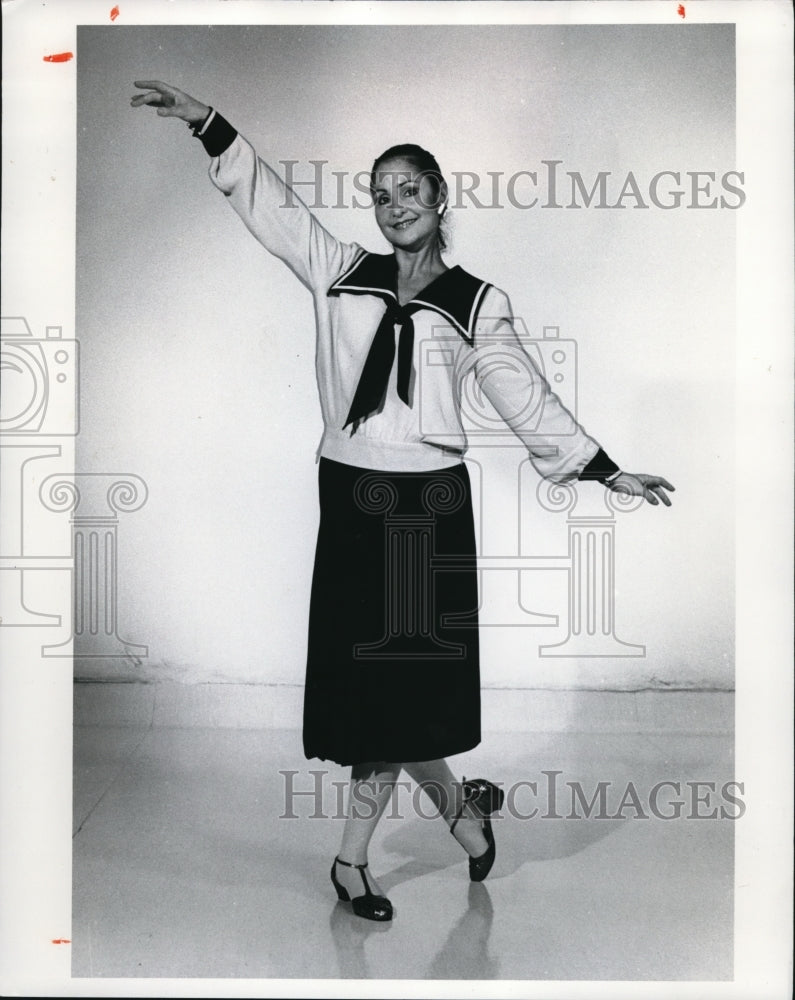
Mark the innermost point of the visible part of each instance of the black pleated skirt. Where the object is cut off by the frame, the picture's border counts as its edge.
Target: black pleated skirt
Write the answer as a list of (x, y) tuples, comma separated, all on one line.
[(393, 666)]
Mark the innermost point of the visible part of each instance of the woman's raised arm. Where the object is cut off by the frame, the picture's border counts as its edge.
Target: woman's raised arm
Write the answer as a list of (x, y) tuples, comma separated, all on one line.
[(272, 212)]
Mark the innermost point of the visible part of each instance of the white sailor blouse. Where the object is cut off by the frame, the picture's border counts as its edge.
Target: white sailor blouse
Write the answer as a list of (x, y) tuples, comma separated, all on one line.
[(392, 378)]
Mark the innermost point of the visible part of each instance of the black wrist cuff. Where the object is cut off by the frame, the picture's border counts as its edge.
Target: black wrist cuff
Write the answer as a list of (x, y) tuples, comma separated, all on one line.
[(600, 468), (219, 136)]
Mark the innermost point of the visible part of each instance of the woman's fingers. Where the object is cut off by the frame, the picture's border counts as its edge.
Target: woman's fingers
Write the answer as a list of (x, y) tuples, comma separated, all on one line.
[(656, 485), (160, 94), (151, 98), (658, 491), (154, 85)]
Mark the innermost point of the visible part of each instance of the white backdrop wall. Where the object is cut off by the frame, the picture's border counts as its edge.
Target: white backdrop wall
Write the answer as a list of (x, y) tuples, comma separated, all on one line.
[(197, 346)]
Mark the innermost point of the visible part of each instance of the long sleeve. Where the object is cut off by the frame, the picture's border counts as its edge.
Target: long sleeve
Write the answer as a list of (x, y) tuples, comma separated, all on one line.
[(557, 445), (271, 211)]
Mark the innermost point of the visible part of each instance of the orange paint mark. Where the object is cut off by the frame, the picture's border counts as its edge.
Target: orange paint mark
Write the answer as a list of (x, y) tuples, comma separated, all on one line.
[(59, 57), (114, 13), (61, 941), (680, 10)]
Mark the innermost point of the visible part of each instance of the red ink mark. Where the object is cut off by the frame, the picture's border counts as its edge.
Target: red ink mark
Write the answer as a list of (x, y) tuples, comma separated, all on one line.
[(61, 941), (680, 10), (114, 13), (59, 57)]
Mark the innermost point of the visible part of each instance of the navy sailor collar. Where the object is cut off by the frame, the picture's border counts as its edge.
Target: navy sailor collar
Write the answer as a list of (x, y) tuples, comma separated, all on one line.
[(455, 294)]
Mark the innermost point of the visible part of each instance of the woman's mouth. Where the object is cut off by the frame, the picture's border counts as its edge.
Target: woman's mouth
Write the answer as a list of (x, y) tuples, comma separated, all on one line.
[(404, 224)]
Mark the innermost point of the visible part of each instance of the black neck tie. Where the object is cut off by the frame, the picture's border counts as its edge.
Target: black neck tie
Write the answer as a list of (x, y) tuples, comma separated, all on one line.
[(374, 380)]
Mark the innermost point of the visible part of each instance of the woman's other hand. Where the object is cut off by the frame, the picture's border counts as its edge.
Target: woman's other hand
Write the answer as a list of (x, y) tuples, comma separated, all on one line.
[(170, 102), (651, 488)]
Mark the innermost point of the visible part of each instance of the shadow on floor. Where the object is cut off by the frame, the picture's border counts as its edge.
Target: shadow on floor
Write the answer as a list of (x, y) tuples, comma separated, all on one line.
[(185, 865)]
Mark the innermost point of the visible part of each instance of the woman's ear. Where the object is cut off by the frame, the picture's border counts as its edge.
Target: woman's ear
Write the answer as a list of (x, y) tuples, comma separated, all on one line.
[(442, 198)]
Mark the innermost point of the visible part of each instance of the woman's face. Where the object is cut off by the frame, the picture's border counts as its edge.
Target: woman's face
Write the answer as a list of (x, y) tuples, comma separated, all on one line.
[(406, 204)]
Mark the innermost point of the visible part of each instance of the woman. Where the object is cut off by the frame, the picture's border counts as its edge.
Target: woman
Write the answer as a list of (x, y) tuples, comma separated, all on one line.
[(392, 672)]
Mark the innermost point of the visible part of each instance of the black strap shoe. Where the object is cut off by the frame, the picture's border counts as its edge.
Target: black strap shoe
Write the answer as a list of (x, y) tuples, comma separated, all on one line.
[(369, 906), (486, 798)]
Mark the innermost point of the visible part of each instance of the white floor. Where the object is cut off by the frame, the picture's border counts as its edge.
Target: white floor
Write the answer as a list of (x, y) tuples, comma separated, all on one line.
[(184, 868)]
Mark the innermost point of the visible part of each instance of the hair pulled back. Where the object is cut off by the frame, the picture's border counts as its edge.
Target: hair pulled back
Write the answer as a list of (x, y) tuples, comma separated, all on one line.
[(423, 162)]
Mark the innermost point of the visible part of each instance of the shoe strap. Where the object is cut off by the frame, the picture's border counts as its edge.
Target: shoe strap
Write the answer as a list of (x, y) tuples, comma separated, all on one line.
[(360, 868), (348, 864), (469, 790)]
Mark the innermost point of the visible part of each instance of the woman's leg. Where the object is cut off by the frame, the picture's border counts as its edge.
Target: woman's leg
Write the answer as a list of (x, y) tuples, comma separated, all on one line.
[(369, 792), (438, 782)]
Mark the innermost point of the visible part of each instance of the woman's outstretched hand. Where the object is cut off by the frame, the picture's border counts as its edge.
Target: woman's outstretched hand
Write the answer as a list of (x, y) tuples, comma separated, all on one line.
[(170, 102), (651, 488)]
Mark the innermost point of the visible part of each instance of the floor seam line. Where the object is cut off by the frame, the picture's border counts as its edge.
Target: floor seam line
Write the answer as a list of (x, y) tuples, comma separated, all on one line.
[(128, 760)]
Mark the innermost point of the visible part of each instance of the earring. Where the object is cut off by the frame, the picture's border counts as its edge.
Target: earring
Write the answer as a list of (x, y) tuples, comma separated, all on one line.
[(441, 208)]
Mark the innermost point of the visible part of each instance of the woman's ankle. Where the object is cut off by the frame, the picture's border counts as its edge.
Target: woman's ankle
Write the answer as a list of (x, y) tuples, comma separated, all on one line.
[(468, 831)]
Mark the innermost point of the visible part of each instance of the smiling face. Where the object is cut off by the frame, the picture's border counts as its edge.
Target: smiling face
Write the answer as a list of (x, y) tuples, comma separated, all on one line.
[(406, 204)]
